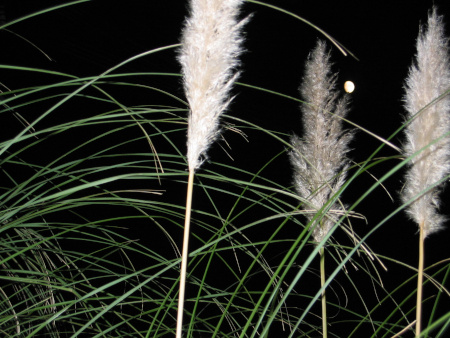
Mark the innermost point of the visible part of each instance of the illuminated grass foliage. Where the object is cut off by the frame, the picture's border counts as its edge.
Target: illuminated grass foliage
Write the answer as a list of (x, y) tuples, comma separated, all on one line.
[(93, 183)]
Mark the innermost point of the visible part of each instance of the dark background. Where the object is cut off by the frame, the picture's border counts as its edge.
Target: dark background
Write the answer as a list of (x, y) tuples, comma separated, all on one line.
[(88, 38)]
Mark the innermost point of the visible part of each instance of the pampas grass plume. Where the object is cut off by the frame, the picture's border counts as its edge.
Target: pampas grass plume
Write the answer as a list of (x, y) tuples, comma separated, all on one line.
[(428, 80), (210, 48), (211, 45), (319, 158)]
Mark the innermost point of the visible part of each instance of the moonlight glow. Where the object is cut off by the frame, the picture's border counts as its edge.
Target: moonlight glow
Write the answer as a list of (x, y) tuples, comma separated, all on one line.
[(349, 86)]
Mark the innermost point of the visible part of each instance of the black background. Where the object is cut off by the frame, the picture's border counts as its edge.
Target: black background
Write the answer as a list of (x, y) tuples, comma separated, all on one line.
[(91, 37)]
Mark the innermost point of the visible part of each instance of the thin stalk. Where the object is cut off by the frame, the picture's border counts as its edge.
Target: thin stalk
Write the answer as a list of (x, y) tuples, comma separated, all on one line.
[(324, 298), (184, 255), (420, 282)]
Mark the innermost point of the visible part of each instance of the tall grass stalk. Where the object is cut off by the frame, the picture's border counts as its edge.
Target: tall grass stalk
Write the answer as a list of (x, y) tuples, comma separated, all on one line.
[(428, 80), (184, 254), (324, 295), (211, 45), (319, 158)]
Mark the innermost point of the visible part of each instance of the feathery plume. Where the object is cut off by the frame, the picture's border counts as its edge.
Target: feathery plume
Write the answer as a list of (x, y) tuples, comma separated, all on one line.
[(428, 79), (211, 45), (319, 158)]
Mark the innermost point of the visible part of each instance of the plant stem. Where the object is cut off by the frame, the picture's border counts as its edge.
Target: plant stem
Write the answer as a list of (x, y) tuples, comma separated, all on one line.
[(420, 282), (324, 299), (184, 255)]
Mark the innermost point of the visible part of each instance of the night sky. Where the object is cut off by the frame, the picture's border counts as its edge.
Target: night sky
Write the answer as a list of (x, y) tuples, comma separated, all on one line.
[(88, 38)]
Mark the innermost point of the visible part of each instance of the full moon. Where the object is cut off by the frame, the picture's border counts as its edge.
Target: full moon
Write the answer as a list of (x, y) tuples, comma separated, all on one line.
[(349, 86)]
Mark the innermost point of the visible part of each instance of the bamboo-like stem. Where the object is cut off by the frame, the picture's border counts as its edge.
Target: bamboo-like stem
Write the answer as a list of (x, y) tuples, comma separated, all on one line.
[(184, 255), (420, 282), (324, 298)]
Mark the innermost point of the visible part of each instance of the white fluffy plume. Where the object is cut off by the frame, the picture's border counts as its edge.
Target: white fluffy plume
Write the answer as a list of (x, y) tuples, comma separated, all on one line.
[(319, 158), (211, 45), (428, 80)]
